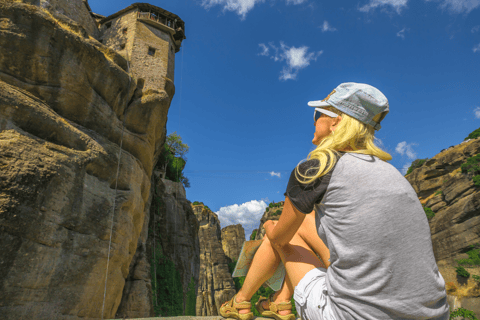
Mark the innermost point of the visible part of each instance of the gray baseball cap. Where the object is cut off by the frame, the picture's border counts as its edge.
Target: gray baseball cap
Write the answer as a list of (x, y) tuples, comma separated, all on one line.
[(359, 100)]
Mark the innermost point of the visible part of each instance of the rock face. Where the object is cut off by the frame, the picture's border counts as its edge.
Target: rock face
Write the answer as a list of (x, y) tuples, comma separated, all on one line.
[(176, 230), (455, 200), (63, 98), (76, 10), (233, 238), (215, 284), (271, 213)]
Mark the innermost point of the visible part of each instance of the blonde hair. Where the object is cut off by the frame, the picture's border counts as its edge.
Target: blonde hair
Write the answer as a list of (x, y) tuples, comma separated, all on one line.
[(350, 132)]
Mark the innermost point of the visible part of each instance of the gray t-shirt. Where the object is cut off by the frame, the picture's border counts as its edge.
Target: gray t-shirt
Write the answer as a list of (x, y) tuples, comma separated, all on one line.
[(381, 255)]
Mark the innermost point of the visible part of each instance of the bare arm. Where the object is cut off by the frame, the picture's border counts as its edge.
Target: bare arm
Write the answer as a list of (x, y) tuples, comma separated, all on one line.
[(281, 233)]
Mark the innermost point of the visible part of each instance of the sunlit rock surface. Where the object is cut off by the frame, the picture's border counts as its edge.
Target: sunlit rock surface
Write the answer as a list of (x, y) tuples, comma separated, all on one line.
[(455, 199), (63, 98), (233, 238), (215, 283)]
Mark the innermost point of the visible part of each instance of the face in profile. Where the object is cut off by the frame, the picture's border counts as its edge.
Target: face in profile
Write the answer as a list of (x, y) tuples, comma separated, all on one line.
[(323, 127)]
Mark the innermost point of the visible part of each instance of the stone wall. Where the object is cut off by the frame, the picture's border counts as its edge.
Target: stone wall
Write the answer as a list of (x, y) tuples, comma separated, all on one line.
[(233, 238), (115, 37), (153, 68), (137, 45), (215, 283)]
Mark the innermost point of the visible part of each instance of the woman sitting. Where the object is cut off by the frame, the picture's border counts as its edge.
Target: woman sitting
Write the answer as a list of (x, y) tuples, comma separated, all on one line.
[(360, 215)]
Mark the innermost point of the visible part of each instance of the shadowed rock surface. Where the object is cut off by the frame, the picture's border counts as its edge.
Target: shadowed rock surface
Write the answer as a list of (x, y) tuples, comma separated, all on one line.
[(215, 283), (233, 238)]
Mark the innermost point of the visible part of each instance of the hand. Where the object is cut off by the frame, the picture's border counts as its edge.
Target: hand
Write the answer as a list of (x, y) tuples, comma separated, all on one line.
[(269, 225)]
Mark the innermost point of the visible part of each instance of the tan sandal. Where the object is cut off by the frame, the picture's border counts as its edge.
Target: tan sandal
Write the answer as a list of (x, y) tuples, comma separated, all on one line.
[(230, 309), (273, 308)]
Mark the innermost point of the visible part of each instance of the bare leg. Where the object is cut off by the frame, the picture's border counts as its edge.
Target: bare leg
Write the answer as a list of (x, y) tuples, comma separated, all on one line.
[(298, 258), (266, 261), (263, 266)]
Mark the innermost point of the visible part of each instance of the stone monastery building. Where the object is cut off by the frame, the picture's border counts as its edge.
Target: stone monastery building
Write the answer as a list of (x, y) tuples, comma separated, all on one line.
[(148, 37), (145, 35)]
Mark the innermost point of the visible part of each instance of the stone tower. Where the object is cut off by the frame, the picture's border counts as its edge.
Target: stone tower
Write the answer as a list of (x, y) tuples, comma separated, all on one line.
[(148, 37)]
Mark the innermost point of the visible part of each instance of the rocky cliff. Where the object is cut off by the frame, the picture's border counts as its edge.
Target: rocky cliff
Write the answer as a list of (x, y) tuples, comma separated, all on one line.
[(455, 201), (64, 98), (215, 284), (233, 238), (173, 234)]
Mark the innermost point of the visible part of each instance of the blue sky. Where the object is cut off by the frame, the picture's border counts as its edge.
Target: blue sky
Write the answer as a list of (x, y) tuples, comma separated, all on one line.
[(248, 68)]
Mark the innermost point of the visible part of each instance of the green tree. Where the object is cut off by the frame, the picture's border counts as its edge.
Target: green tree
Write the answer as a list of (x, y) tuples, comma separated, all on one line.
[(173, 159), (179, 149)]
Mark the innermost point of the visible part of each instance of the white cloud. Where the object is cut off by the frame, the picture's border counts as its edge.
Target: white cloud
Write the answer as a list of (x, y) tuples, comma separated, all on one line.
[(476, 112), (459, 6), (240, 7), (397, 5), (401, 33), (296, 1), (273, 173), (406, 149), (405, 168), (327, 27), (265, 50), (476, 48), (475, 29), (295, 58), (248, 214)]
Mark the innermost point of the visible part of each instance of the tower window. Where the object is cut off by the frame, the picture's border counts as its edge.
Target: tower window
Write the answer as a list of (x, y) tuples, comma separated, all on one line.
[(151, 51), (124, 30), (122, 46), (108, 25)]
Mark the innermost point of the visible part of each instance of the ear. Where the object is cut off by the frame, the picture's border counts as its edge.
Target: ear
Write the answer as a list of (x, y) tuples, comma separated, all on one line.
[(336, 121)]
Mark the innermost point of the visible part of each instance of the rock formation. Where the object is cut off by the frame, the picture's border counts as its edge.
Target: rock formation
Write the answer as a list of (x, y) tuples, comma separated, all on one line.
[(455, 200), (64, 101), (173, 231), (233, 238), (215, 283)]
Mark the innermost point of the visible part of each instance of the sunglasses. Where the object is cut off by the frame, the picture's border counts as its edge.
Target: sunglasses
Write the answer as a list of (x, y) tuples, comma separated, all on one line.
[(318, 113)]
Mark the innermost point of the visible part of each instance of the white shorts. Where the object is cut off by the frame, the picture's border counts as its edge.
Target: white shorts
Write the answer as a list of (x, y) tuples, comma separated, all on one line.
[(311, 296)]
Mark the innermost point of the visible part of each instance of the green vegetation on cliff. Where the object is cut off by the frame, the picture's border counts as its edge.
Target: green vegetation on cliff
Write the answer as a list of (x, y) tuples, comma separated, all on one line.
[(472, 165), (415, 164), (429, 212), (191, 303), (462, 314), (473, 135), (173, 160), (167, 289), (473, 257)]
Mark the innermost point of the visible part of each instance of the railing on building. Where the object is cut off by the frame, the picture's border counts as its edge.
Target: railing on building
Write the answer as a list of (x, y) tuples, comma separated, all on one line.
[(157, 18)]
